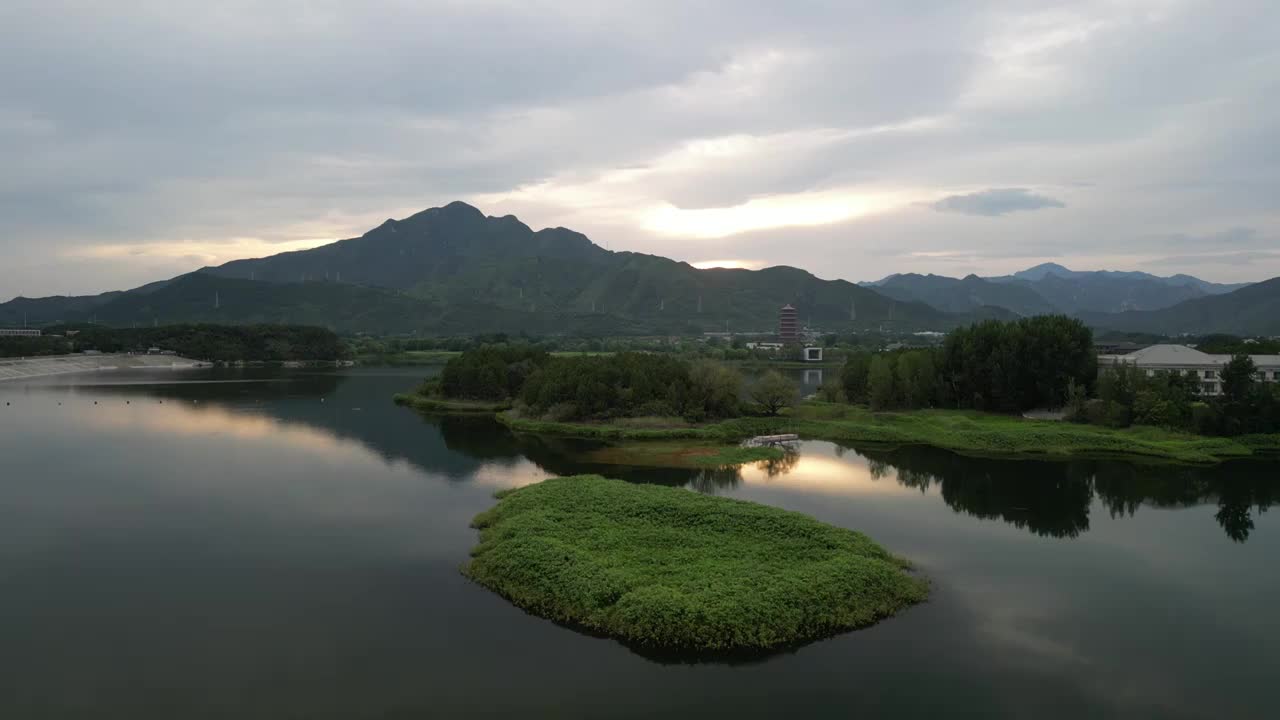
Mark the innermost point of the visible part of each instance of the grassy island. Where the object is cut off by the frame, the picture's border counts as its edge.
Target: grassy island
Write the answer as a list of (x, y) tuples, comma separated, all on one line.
[(670, 569)]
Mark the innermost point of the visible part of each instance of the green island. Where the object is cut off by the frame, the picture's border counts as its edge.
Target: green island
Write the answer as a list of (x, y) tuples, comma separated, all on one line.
[(669, 569)]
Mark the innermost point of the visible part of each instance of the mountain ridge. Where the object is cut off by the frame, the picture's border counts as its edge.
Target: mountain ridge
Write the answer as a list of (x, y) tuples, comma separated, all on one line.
[(1050, 287), (453, 269)]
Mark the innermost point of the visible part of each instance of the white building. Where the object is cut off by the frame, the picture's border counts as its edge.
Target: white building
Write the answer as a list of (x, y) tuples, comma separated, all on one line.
[(19, 332), (1182, 359)]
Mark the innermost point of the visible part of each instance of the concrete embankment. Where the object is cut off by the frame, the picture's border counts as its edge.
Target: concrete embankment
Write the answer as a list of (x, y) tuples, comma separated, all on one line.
[(26, 368)]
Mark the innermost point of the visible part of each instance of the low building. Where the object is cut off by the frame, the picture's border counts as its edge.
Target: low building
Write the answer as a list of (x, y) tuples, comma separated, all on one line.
[(19, 332), (1186, 360), (813, 354)]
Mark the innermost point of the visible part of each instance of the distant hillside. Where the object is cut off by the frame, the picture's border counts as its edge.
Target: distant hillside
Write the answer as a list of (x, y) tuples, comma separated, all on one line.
[(1252, 310), (49, 310), (1051, 288), (456, 257), (963, 295), (454, 270), (1073, 291)]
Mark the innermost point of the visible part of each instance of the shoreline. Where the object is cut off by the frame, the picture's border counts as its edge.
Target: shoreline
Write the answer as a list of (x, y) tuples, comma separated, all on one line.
[(963, 432), (31, 368)]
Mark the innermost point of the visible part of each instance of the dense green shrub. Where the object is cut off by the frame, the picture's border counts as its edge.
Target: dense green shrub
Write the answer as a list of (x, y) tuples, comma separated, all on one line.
[(490, 372), (631, 385)]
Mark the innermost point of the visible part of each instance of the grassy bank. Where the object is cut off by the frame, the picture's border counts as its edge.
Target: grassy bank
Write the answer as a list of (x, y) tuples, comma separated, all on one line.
[(408, 358), (960, 431), (429, 404), (670, 569), (681, 454)]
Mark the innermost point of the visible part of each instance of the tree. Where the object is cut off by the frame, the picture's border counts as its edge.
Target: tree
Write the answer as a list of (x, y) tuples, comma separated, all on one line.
[(854, 377), (1077, 397), (916, 379), (1238, 377), (773, 392), (880, 386), (714, 390), (1015, 366)]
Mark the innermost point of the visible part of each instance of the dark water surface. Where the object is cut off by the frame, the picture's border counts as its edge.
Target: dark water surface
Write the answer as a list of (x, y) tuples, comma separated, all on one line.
[(286, 546)]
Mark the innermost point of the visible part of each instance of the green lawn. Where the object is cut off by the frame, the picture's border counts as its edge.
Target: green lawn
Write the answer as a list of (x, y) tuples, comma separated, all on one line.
[(961, 431), (672, 569)]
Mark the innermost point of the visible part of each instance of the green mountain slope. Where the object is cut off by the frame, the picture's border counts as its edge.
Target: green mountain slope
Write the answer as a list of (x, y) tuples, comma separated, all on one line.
[(963, 295), (1105, 291), (456, 257), (453, 270), (50, 310), (1252, 310)]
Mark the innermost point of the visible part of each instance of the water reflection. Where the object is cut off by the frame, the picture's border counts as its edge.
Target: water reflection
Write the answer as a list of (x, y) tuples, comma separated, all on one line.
[(306, 565), (1053, 498), (1049, 499)]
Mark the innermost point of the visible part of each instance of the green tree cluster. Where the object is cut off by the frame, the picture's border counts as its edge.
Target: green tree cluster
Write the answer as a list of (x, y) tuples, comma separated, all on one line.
[(495, 372), (632, 385), (998, 366), (214, 343), (1129, 396), (11, 347), (1017, 366)]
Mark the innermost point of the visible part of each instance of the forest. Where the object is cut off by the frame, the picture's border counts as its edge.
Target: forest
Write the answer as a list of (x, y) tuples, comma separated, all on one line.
[(601, 387), (213, 343), (993, 366)]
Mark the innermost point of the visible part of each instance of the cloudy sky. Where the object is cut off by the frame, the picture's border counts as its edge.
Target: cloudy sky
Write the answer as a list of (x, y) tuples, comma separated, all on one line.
[(143, 139)]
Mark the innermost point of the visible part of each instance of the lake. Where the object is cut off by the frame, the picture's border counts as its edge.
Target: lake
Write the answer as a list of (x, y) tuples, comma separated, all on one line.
[(286, 544)]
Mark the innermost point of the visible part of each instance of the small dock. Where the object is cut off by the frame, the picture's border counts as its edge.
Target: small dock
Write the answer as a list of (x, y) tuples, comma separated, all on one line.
[(766, 440)]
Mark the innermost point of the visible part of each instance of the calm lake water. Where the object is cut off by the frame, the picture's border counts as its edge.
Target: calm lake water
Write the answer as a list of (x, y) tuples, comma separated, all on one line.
[(286, 545)]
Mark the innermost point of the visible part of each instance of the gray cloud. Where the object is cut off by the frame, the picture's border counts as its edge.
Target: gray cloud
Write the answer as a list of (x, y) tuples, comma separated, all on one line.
[(165, 124), (996, 201)]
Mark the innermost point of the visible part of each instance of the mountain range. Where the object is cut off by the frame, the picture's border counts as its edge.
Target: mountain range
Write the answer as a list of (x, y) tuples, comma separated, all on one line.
[(454, 270), (1052, 288)]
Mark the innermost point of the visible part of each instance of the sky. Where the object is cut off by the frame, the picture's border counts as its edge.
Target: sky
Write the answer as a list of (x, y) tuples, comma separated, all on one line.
[(145, 139)]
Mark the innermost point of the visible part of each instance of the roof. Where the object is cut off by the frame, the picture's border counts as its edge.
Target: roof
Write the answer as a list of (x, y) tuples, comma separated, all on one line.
[(1181, 355), (787, 307), (1171, 355)]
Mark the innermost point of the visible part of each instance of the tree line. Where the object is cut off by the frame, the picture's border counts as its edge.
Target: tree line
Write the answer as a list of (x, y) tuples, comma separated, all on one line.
[(602, 387), (214, 343), (994, 366)]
